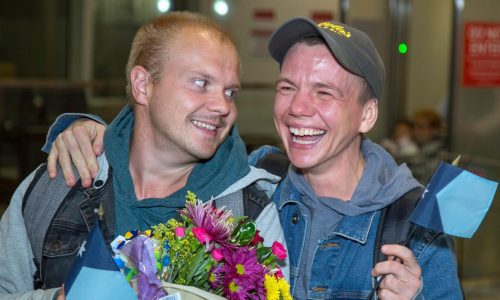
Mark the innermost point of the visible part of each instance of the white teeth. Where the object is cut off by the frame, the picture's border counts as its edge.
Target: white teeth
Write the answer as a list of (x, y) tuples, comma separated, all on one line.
[(299, 141), (203, 125), (306, 131)]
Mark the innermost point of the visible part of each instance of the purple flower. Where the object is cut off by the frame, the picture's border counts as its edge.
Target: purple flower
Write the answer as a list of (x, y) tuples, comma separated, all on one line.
[(214, 222), (243, 273), (238, 290), (216, 276)]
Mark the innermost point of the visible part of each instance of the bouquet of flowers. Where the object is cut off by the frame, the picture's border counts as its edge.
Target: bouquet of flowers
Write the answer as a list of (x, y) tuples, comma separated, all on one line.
[(208, 249)]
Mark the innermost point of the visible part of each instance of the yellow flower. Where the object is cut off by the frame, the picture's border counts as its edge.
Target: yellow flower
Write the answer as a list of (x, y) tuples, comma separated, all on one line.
[(272, 288), (191, 197), (284, 289)]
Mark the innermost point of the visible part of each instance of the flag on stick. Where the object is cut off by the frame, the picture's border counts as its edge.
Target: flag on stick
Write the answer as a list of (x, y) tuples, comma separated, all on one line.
[(94, 274), (455, 202)]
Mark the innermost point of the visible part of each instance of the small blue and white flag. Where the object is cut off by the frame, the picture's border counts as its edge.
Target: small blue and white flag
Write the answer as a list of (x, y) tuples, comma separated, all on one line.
[(94, 274), (455, 202)]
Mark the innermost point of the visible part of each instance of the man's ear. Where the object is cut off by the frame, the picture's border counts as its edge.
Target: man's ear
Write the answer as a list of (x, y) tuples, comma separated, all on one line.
[(370, 114), (140, 85)]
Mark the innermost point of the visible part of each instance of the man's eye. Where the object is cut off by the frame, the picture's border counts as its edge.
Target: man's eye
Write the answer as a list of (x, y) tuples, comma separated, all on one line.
[(201, 82), (284, 89), (324, 94), (231, 93), (329, 95)]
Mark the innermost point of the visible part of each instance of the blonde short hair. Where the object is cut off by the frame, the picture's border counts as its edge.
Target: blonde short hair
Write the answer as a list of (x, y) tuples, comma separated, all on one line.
[(150, 44)]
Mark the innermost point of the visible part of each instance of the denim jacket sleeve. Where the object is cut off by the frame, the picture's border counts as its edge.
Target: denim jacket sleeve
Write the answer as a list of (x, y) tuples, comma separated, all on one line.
[(439, 268), (16, 273), (61, 123)]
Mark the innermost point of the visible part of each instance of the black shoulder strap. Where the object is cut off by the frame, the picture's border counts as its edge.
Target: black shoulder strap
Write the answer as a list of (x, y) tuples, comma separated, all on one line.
[(255, 200), (394, 225), (275, 163)]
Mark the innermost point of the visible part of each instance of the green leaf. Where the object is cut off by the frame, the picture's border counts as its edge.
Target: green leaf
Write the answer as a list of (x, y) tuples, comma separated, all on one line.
[(195, 267), (243, 233), (263, 253)]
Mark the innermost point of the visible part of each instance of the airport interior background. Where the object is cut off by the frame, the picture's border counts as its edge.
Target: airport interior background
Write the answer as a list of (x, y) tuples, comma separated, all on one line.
[(69, 56)]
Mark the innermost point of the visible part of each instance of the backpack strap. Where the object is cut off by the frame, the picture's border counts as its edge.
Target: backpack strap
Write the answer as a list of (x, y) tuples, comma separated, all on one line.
[(275, 163), (394, 225), (254, 201), (39, 210), (250, 201), (233, 202)]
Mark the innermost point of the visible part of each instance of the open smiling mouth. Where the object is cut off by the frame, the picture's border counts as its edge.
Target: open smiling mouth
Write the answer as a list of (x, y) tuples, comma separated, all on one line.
[(306, 136), (203, 125)]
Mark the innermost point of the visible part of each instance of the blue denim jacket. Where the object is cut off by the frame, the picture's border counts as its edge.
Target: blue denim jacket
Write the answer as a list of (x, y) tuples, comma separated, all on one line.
[(342, 262)]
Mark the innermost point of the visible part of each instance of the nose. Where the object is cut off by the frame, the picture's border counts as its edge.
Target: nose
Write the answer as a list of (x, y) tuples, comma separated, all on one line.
[(220, 104), (301, 104)]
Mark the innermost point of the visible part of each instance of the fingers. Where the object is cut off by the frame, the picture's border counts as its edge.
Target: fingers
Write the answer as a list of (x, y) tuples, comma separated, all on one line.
[(387, 288), (62, 294), (83, 153), (405, 256), (75, 145), (73, 148), (52, 162), (403, 276), (99, 139), (59, 153)]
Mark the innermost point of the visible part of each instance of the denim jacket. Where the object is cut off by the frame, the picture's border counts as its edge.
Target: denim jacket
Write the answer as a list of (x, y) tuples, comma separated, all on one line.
[(343, 261)]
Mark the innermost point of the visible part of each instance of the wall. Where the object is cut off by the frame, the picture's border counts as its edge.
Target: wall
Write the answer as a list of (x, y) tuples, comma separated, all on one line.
[(429, 54)]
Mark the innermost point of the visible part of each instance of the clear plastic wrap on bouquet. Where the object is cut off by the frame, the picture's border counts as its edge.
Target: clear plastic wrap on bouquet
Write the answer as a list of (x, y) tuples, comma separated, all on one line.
[(189, 292)]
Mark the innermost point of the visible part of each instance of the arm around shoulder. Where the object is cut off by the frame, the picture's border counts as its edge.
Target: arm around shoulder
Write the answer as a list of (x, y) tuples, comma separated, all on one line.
[(61, 123)]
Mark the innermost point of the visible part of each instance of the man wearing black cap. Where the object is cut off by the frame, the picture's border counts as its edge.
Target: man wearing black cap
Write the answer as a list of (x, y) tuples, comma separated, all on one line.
[(327, 97)]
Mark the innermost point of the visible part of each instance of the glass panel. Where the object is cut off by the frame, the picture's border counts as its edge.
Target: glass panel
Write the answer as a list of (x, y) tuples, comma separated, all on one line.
[(476, 132), (33, 39)]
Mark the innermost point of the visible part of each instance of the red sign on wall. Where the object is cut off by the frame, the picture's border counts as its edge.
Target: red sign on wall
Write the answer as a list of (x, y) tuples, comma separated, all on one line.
[(321, 16), (481, 54)]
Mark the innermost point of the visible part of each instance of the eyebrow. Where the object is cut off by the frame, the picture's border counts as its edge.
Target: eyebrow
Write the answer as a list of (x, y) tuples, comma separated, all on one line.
[(315, 85), (284, 80)]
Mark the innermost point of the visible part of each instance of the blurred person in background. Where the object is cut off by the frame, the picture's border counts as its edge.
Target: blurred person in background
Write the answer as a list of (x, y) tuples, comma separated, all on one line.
[(428, 132), (401, 143)]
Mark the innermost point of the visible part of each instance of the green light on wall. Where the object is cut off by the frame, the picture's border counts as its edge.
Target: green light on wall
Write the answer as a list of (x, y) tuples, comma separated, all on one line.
[(402, 48)]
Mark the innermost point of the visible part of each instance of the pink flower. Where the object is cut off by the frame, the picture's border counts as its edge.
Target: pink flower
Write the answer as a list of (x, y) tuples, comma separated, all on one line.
[(278, 250), (201, 235), (179, 232), (215, 223), (217, 254), (278, 273)]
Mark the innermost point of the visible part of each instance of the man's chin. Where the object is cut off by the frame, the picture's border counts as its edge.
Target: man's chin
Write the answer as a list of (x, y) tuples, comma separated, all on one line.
[(204, 154)]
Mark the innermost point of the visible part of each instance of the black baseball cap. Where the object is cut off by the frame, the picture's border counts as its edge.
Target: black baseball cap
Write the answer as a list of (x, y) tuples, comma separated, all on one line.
[(351, 47)]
